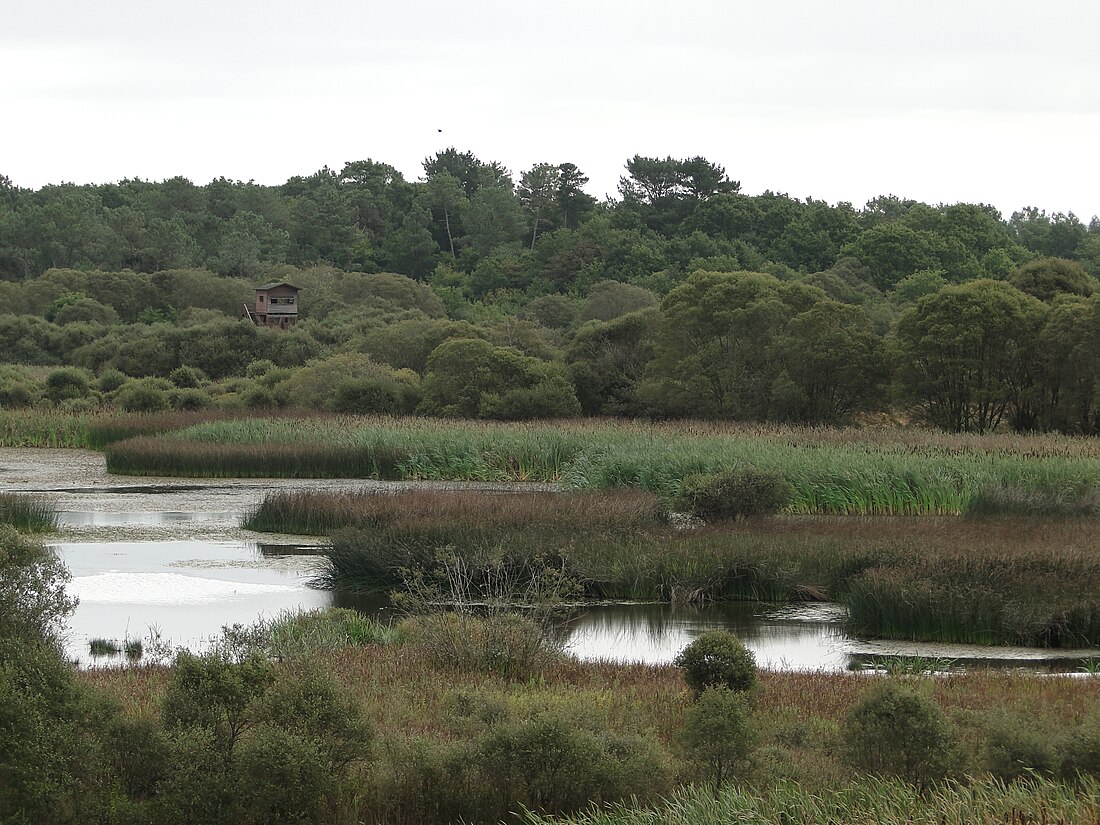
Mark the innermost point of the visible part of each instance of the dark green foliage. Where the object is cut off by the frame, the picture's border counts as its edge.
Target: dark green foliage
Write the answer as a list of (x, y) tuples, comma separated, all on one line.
[(146, 395), (111, 379), (734, 494), (719, 731), (898, 731), (1049, 277), (1017, 747), (189, 399), (215, 694), (470, 378), (33, 603), (187, 377), (66, 383), (551, 764), (1082, 753), (279, 777), (717, 658), (967, 351)]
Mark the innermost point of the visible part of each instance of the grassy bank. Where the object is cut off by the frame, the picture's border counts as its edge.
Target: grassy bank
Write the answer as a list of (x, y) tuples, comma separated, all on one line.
[(980, 580), (865, 472)]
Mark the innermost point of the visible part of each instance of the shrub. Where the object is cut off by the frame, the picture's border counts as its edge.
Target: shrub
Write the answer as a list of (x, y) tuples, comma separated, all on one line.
[(717, 658), (718, 731), (259, 368), (17, 394), (1083, 752), (65, 383), (1016, 747), (896, 731), (371, 396), (733, 494), (111, 379), (145, 395), (551, 764), (186, 377), (280, 777), (189, 399)]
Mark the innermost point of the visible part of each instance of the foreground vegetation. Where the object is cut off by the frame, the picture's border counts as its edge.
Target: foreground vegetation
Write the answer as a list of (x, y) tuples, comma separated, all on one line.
[(832, 471), (886, 802), (461, 716)]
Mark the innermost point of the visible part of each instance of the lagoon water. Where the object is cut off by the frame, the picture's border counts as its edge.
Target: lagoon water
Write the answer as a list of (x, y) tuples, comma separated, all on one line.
[(187, 590), (156, 553)]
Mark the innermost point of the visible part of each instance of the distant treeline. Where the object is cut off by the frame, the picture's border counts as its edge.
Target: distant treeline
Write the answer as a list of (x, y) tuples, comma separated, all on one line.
[(468, 294)]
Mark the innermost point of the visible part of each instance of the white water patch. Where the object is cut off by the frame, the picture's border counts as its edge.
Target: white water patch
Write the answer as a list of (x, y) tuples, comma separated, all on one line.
[(165, 588)]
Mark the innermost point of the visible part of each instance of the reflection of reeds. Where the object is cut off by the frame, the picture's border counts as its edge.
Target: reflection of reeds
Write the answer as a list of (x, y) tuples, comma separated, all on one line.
[(832, 471), (941, 579), (28, 513)]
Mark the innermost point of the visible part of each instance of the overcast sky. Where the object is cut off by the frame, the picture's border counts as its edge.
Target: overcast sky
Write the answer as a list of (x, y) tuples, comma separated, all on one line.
[(996, 101)]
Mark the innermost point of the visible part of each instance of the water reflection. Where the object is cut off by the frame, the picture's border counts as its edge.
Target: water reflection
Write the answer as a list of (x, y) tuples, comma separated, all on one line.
[(73, 518), (186, 590), (782, 640), (189, 590)]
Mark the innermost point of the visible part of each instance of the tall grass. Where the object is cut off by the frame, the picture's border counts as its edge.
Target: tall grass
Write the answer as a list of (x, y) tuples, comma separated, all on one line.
[(29, 513), (999, 581), (985, 801), (874, 472)]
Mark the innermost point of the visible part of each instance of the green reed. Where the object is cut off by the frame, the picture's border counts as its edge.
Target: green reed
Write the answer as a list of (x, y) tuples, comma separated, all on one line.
[(832, 471), (28, 513), (982, 801)]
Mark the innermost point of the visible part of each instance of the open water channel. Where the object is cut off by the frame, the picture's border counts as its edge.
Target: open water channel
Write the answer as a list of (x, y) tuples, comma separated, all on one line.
[(165, 556)]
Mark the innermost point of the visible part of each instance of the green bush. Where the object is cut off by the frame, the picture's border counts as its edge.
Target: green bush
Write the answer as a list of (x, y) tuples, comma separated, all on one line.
[(186, 377), (144, 395), (279, 777), (67, 382), (17, 394), (189, 399), (111, 379), (733, 494), (1016, 747), (380, 395), (549, 763), (896, 731), (1083, 751), (717, 658), (718, 731)]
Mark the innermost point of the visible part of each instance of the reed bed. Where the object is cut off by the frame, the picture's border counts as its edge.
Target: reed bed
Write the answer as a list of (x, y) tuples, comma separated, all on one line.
[(853, 472), (983, 581), (987, 801), (307, 512), (28, 513)]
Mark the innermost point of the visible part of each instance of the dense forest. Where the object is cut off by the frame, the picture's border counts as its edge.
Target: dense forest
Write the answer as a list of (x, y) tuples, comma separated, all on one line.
[(469, 293)]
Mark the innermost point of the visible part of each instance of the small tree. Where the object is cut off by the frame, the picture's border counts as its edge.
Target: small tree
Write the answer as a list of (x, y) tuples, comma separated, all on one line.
[(718, 731), (896, 731), (717, 658)]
